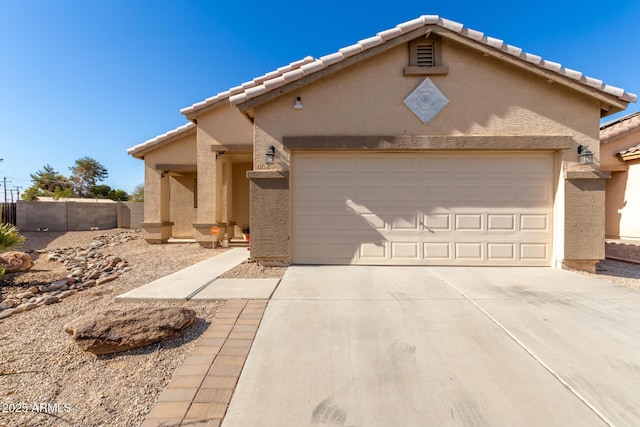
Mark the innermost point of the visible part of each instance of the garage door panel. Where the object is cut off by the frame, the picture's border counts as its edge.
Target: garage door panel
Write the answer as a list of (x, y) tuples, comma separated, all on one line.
[(468, 222), (534, 251), (405, 251), (373, 251), (437, 251), (501, 222), (433, 209), (501, 251), (437, 222), (534, 222), (468, 251)]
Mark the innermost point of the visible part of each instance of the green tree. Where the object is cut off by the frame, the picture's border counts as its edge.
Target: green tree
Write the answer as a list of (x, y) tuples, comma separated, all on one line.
[(100, 191), (119, 195), (105, 192), (46, 182), (138, 194), (85, 174)]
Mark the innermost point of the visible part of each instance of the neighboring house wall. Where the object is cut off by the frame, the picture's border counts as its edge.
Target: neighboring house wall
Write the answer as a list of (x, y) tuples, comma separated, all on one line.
[(74, 216), (486, 98), (623, 189), (630, 215), (623, 203)]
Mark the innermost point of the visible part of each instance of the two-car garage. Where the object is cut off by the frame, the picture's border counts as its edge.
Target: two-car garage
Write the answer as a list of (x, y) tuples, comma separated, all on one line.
[(411, 208)]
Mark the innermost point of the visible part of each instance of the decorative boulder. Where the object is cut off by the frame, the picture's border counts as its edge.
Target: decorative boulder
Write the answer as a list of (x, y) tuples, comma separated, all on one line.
[(15, 261), (116, 330)]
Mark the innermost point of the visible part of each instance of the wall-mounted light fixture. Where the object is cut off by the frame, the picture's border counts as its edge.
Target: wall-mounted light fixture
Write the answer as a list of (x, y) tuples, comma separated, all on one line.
[(586, 156), (219, 154), (271, 155), (298, 105)]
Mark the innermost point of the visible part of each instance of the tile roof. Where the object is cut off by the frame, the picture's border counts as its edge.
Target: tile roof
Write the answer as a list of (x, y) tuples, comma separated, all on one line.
[(163, 139), (631, 151), (619, 127), (309, 65), (244, 87), (316, 65)]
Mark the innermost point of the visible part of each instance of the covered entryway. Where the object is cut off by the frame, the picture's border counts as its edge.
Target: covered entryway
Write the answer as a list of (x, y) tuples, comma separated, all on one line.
[(414, 208)]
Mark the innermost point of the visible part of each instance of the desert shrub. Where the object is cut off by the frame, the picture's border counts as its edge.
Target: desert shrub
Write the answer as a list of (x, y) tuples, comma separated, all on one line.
[(10, 237)]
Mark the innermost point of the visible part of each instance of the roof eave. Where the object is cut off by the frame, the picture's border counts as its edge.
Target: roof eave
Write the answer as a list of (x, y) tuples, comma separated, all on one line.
[(248, 105), (610, 104), (629, 156), (140, 150), (192, 114)]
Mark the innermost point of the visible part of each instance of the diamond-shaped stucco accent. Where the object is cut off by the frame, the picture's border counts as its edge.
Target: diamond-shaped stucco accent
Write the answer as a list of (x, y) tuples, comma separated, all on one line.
[(426, 101)]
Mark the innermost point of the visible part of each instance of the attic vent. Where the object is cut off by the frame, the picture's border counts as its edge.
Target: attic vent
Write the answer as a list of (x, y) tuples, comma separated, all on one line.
[(425, 55)]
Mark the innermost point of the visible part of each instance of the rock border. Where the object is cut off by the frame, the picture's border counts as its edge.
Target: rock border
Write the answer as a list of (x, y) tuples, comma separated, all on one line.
[(87, 266)]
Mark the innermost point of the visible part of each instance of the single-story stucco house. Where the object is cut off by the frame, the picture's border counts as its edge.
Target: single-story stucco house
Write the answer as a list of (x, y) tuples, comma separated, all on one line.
[(426, 144), (620, 154)]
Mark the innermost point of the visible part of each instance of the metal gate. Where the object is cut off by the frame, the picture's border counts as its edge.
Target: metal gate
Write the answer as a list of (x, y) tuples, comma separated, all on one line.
[(9, 213)]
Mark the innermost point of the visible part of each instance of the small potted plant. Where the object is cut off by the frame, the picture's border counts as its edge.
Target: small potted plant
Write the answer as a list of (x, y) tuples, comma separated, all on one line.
[(246, 232)]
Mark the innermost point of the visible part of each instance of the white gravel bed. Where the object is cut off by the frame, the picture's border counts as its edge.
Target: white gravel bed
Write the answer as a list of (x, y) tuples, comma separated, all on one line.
[(42, 369)]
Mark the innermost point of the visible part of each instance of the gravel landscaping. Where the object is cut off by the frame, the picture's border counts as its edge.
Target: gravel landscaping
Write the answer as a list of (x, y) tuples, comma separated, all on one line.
[(43, 371)]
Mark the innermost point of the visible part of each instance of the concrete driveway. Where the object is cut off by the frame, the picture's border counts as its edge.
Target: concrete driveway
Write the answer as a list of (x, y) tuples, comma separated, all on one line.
[(418, 346)]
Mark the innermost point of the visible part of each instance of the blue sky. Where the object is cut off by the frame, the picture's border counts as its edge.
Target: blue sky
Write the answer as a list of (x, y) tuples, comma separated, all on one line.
[(93, 78)]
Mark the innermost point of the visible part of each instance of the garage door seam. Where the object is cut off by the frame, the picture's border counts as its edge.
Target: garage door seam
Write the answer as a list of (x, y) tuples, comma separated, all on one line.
[(556, 375)]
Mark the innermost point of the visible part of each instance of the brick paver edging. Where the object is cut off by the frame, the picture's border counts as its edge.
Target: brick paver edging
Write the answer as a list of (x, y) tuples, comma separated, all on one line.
[(200, 391)]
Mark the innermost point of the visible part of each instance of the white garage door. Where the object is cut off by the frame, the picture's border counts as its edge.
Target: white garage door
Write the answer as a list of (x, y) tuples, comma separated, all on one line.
[(431, 209)]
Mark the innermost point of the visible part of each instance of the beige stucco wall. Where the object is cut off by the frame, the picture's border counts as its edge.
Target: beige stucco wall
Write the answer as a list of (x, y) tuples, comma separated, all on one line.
[(623, 203), (224, 125), (486, 97), (158, 207), (183, 211), (228, 129), (179, 152), (241, 195), (623, 189), (609, 149), (630, 219)]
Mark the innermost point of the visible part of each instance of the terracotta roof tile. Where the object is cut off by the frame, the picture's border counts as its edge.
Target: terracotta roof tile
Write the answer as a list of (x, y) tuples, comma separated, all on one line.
[(619, 127), (246, 86), (159, 140), (456, 27), (309, 65), (630, 151)]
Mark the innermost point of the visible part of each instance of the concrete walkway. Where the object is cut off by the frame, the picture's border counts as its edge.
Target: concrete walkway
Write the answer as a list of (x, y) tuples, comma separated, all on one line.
[(411, 346), (199, 282)]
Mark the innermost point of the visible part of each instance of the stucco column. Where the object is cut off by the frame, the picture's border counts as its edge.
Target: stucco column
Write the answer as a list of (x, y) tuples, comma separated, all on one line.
[(269, 195), (156, 226), (584, 212), (207, 190)]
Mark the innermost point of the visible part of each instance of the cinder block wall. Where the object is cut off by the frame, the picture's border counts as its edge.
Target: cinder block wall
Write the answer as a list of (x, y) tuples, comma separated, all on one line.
[(84, 216), (130, 214), (73, 216), (35, 215)]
